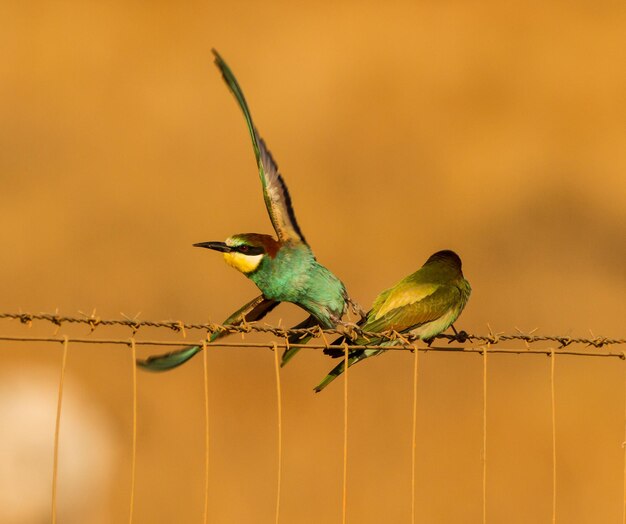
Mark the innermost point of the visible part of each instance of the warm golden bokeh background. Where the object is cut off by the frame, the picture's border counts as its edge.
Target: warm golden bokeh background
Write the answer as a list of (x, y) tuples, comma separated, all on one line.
[(494, 130)]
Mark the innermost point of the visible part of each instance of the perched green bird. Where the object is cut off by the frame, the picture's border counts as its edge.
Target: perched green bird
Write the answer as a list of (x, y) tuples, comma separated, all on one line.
[(285, 270), (423, 305)]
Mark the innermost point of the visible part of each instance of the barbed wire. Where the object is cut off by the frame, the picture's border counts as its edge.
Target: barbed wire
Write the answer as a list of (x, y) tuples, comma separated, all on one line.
[(401, 341), (480, 344)]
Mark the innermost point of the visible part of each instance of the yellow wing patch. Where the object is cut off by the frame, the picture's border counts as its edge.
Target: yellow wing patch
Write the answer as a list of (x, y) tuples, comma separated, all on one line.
[(404, 295)]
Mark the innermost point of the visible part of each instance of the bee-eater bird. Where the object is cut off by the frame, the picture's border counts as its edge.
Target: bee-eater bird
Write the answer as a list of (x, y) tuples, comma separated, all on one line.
[(284, 269), (423, 305)]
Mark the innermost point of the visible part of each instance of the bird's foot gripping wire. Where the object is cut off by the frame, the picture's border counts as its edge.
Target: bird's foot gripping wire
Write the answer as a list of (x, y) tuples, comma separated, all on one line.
[(459, 336), (350, 329), (356, 308), (462, 336)]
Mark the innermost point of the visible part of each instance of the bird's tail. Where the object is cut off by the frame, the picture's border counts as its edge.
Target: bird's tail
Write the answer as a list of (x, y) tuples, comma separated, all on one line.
[(289, 353), (353, 358), (339, 352), (168, 361), (334, 352)]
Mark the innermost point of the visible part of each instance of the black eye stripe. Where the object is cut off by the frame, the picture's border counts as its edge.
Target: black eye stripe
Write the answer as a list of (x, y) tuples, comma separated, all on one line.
[(249, 250)]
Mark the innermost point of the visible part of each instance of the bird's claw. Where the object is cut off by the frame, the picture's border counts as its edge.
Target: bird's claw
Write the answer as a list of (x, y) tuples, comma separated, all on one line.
[(349, 328), (461, 337), (356, 308)]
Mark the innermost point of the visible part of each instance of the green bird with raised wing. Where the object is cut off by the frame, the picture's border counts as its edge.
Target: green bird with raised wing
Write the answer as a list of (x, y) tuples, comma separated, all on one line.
[(284, 269), (423, 305)]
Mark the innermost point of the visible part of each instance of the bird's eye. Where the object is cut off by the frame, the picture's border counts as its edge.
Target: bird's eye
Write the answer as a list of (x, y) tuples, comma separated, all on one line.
[(243, 249)]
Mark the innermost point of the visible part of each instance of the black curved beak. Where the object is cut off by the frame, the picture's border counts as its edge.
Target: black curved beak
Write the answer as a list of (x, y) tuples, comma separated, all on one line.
[(216, 246)]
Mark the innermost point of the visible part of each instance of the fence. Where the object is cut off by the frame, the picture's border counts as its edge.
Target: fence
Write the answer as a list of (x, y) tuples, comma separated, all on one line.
[(488, 344)]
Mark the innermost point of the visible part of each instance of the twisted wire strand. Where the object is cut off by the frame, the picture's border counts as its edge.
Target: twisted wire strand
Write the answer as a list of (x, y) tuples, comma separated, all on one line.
[(177, 326)]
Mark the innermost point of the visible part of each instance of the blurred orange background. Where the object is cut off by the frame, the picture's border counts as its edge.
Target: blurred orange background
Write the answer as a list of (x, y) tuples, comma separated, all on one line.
[(497, 130)]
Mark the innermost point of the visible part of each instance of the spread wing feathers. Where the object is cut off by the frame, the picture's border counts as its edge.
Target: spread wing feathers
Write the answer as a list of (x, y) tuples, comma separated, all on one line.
[(275, 193), (254, 310)]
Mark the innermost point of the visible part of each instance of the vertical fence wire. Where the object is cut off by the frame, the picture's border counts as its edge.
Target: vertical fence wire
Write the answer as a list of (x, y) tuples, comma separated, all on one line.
[(596, 342), (133, 467), (55, 459), (205, 370), (624, 447), (485, 352), (344, 500), (553, 409), (414, 431), (280, 430)]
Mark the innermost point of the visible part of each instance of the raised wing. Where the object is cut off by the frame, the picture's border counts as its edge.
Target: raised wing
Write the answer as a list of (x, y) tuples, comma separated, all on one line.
[(254, 310), (275, 193)]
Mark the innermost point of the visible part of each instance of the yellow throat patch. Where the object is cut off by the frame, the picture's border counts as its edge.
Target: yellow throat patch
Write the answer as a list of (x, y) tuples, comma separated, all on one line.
[(241, 262)]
